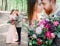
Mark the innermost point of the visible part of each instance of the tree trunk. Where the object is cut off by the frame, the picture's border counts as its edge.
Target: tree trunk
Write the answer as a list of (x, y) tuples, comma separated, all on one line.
[(22, 5), (5, 4), (2, 5)]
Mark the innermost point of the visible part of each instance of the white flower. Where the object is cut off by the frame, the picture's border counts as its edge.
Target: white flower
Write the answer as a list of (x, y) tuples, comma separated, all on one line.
[(34, 36), (38, 30), (47, 19), (41, 26)]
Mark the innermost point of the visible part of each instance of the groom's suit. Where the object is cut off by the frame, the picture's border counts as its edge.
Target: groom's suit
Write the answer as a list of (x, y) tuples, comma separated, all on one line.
[(19, 26)]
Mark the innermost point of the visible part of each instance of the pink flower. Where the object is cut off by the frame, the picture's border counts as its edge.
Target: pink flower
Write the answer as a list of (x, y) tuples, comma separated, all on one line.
[(12, 20), (47, 26), (52, 35), (39, 42), (55, 23), (42, 22), (48, 34)]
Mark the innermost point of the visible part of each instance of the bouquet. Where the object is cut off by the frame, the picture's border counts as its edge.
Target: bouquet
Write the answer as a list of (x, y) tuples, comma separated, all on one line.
[(13, 21), (43, 32)]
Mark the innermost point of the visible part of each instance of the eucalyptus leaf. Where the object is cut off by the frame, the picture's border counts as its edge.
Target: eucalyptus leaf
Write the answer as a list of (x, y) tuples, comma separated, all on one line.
[(58, 35)]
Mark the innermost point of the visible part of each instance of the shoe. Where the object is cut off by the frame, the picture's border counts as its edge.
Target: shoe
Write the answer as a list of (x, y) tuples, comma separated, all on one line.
[(19, 43)]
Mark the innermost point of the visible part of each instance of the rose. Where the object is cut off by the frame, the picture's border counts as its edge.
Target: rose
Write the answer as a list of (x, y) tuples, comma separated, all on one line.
[(34, 36), (39, 41), (47, 26), (12, 21), (48, 34), (55, 23)]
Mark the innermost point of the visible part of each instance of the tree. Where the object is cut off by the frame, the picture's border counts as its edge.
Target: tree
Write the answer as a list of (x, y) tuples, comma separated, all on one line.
[(5, 4), (17, 2), (2, 5), (22, 4)]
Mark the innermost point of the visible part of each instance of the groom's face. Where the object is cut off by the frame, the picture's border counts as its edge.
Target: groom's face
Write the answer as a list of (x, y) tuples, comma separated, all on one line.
[(47, 6)]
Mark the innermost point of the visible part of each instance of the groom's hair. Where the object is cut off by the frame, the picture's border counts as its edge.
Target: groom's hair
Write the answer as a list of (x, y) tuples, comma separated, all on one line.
[(54, 1), (17, 11)]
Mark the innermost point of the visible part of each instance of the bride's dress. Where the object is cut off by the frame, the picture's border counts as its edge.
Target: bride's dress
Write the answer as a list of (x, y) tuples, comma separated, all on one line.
[(11, 34)]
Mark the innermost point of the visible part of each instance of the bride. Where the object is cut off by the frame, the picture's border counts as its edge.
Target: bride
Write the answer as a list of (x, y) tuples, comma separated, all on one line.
[(11, 34), (34, 10)]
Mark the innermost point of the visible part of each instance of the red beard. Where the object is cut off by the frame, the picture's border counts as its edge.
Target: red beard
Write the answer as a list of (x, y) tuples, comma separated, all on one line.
[(48, 11)]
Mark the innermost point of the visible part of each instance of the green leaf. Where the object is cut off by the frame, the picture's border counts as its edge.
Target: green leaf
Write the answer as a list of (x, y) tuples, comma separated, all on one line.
[(58, 35), (55, 33), (50, 41), (43, 45), (34, 41), (30, 43), (35, 22), (58, 27)]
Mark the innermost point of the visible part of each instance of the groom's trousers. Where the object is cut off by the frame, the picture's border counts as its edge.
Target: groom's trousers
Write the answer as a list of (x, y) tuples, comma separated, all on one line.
[(19, 33)]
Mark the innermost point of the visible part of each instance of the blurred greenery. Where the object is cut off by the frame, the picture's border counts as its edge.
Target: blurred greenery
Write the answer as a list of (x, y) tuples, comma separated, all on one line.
[(13, 4), (16, 4)]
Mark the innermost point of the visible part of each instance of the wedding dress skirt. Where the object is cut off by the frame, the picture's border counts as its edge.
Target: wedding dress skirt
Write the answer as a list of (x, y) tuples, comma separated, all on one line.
[(11, 34)]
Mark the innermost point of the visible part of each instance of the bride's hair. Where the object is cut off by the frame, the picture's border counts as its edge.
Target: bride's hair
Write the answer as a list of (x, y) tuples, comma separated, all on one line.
[(31, 5), (12, 11)]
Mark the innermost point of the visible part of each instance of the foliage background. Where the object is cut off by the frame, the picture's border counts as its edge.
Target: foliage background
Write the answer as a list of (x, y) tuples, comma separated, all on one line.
[(15, 4)]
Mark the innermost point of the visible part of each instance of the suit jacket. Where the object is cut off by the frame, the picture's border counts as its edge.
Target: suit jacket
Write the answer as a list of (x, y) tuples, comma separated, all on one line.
[(20, 20)]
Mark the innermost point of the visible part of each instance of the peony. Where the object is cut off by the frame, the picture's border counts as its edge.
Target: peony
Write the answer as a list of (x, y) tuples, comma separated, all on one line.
[(42, 22), (41, 26), (55, 23), (52, 35), (38, 30)]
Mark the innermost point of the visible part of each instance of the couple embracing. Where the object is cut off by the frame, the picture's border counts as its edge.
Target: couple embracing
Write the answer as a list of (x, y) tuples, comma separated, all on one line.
[(15, 26)]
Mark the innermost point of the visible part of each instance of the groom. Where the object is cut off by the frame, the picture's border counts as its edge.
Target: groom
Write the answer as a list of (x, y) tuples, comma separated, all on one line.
[(50, 9), (19, 26)]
